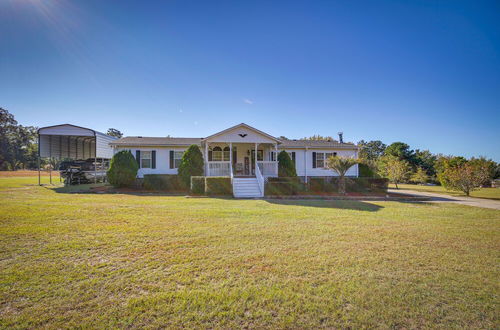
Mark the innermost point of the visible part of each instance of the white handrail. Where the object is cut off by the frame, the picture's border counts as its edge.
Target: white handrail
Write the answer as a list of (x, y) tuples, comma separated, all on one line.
[(231, 174), (260, 180)]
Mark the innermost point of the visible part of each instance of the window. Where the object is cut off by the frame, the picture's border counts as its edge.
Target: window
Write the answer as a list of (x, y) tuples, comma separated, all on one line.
[(226, 154), (177, 158), (145, 159), (217, 154), (322, 157), (272, 156), (320, 160)]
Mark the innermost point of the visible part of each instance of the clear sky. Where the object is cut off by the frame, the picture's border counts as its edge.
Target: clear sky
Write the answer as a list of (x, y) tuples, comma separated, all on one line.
[(423, 72)]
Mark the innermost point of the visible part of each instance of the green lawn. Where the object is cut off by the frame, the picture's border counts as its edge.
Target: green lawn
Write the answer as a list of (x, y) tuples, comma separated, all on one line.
[(123, 260), (489, 193)]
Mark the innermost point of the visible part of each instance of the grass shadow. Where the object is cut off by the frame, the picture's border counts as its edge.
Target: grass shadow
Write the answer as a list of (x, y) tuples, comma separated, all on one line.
[(332, 204)]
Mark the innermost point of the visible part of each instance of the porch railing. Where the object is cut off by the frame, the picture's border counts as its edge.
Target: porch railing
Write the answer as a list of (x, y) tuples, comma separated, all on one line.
[(268, 168), (219, 169), (260, 180)]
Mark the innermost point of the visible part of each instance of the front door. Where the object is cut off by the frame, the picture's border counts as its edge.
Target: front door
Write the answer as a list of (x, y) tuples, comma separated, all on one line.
[(247, 166)]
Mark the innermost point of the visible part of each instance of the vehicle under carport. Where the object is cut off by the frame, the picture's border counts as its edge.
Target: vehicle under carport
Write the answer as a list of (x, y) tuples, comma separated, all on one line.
[(84, 152)]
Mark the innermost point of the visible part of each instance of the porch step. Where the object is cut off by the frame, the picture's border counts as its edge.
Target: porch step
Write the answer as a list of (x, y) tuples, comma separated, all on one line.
[(246, 188)]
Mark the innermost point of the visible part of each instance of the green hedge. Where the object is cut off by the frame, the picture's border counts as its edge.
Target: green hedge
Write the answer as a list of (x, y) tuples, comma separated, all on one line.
[(219, 185), (197, 185), (362, 185), (163, 182), (284, 186)]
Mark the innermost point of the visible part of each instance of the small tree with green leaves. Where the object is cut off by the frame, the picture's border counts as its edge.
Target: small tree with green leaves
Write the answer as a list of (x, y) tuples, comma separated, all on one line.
[(123, 169), (395, 169), (420, 176), (340, 165), (191, 164), (466, 177), (286, 167)]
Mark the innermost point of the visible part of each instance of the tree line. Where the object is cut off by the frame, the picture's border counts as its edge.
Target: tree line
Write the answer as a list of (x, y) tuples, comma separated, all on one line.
[(401, 164)]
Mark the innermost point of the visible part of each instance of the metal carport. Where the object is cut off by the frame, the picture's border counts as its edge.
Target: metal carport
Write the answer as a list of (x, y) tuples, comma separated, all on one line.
[(73, 142)]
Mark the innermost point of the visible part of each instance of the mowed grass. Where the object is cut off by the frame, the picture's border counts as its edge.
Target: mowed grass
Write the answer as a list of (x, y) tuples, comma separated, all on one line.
[(117, 260), (489, 193)]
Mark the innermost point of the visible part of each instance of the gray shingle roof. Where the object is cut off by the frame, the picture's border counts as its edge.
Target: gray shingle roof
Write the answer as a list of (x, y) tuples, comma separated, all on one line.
[(156, 141), (316, 144), (172, 141)]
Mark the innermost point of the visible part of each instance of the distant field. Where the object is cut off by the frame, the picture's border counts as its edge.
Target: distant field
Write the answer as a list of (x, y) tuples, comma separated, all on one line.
[(26, 173), (489, 193), (133, 261)]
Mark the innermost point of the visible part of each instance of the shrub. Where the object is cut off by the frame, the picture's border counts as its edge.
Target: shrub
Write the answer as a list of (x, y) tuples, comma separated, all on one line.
[(286, 167), (165, 182), (123, 169), (219, 185), (191, 164), (330, 184), (365, 171), (321, 185), (284, 186), (197, 185)]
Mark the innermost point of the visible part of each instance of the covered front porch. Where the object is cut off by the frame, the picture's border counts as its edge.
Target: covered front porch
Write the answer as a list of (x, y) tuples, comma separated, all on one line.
[(241, 159)]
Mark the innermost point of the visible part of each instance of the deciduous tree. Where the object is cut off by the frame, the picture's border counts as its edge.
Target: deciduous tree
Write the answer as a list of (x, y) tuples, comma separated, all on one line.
[(395, 169), (466, 177)]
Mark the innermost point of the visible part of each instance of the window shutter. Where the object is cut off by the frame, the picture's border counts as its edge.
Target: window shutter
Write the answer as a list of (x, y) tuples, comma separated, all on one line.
[(171, 159), (314, 160), (235, 156), (138, 157), (153, 159), (293, 156)]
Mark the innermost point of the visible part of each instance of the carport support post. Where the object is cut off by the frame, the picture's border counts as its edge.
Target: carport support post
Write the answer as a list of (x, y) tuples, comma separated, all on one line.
[(95, 170), (39, 170), (38, 160)]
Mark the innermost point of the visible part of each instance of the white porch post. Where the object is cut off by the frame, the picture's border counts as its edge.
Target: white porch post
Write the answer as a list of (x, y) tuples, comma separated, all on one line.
[(256, 157), (230, 154), (206, 158), (276, 159)]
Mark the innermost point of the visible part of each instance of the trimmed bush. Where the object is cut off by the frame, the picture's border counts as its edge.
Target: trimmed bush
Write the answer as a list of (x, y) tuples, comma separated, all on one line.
[(191, 164), (122, 169), (219, 185), (286, 167), (197, 185), (164, 182), (365, 171), (361, 185), (284, 186), (321, 185)]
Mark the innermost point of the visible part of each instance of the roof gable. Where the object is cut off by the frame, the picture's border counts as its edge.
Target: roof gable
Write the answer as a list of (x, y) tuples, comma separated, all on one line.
[(242, 133)]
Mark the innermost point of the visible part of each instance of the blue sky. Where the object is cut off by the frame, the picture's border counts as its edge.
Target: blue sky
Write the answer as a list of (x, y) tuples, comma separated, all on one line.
[(423, 72)]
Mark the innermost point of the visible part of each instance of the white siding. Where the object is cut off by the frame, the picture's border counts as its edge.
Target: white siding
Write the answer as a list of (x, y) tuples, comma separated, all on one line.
[(235, 137), (303, 162), (162, 159)]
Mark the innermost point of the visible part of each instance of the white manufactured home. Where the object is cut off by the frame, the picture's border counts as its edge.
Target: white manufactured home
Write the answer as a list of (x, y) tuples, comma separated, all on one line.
[(241, 152)]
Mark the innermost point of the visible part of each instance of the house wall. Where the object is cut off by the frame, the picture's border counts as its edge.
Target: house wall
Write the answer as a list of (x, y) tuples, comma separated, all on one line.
[(303, 159), (303, 162), (162, 159)]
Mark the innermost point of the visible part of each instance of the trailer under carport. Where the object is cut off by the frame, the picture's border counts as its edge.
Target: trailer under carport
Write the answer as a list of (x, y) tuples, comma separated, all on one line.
[(71, 142)]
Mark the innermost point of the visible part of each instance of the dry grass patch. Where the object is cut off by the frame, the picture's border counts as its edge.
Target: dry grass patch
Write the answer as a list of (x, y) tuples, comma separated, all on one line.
[(118, 260)]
